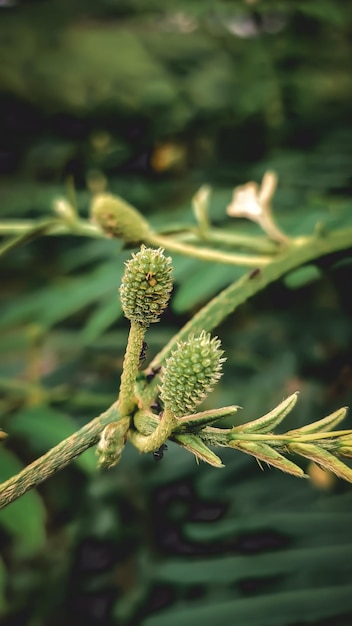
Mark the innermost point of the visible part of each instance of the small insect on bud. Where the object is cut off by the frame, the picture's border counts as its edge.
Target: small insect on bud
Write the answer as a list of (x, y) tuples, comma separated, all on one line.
[(254, 273), (156, 407), (119, 219), (152, 373), (191, 373), (146, 286), (143, 353), (159, 454)]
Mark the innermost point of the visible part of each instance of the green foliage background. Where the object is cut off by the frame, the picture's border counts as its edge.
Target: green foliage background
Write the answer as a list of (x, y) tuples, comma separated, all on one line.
[(160, 98)]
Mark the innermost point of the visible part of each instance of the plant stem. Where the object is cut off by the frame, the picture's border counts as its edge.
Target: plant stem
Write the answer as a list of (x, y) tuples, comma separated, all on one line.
[(269, 438), (56, 458), (177, 242), (185, 234), (127, 400), (148, 443), (54, 226), (207, 254)]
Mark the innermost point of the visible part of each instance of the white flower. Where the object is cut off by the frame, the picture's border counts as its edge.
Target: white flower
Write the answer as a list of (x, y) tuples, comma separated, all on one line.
[(254, 203)]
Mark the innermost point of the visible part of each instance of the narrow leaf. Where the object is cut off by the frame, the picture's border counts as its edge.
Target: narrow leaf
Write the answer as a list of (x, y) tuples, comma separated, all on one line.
[(327, 423), (230, 569), (203, 418), (194, 444), (322, 457), (263, 610), (302, 276), (269, 421), (107, 312), (313, 527), (265, 453)]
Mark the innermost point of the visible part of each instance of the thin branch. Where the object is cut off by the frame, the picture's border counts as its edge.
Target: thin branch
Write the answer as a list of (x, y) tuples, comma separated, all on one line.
[(53, 226), (57, 458), (207, 254)]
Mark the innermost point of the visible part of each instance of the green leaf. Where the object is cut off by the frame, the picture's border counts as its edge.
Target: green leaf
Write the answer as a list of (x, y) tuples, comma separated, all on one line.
[(108, 312), (23, 519), (323, 458), (92, 252), (204, 418), (3, 582), (44, 428), (54, 303), (280, 609), (263, 452), (268, 422), (203, 283), (314, 528), (327, 423), (326, 11), (232, 569), (194, 444), (302, 276)]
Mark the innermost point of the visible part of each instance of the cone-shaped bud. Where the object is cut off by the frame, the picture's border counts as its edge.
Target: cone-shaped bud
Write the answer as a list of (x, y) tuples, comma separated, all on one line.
[(119, 219), (146, 286), (190, 373)]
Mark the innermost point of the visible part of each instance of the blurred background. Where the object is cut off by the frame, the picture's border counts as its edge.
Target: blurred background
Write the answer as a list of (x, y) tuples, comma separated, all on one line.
[(152, 99)]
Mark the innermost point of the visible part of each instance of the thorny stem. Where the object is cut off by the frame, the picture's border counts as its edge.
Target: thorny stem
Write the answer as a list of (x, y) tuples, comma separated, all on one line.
[(57, 458)]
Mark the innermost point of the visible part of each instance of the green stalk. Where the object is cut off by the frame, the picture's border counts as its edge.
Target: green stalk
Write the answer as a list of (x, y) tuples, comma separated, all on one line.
[(148, 443), (54, 227), (127, 400), (184, 234), (206, 254)]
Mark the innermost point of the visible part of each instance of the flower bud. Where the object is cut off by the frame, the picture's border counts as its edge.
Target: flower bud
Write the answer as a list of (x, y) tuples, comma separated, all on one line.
[(119, 219), (191, 373), (112, 442), (146, 286)]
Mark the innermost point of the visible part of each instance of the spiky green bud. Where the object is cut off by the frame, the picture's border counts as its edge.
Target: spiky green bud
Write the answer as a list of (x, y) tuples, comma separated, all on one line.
[(119, 219), (190, 373), (146, 286)]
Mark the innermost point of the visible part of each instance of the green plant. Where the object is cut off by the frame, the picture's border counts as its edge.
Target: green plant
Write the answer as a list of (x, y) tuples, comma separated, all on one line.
[(188, 367)]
